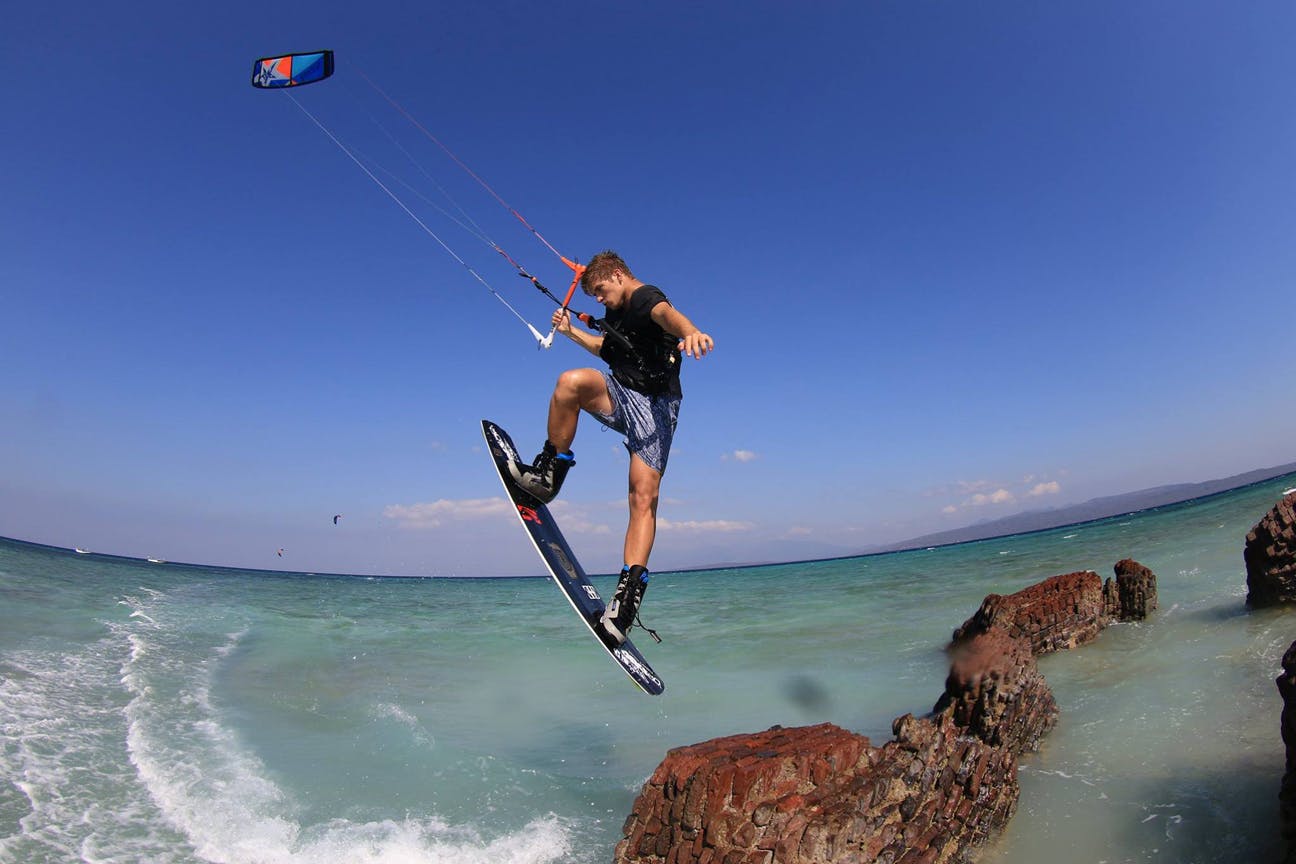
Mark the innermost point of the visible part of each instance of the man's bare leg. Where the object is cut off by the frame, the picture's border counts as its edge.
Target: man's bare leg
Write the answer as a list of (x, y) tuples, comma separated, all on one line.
[(576, 390), (645, 486)]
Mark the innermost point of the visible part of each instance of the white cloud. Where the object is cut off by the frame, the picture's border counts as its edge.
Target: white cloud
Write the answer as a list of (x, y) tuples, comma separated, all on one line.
[(1052, 487), (999, 496), (741, 456), (710, 526), (431, 514), (983, 493), (427, 515)]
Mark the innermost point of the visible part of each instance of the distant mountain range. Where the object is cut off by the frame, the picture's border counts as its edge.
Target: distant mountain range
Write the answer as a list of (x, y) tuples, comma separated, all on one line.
[(1097, 508), (784, 550)]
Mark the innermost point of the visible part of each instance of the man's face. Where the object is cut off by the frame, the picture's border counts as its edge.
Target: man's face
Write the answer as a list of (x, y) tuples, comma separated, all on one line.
[(610, 292)]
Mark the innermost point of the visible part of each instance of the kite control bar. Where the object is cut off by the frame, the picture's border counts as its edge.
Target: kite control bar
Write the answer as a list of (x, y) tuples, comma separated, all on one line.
[(578, 270)]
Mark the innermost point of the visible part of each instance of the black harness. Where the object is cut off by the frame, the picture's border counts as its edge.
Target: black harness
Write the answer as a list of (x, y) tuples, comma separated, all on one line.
[(650, 366)]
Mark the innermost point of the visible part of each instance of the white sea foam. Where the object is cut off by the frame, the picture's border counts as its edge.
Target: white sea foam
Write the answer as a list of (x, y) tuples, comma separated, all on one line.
[(221, 797), (392, 711), (61, 727), (419, 841)]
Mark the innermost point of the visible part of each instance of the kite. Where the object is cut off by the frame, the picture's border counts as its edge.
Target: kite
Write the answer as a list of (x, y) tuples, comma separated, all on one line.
[(290, 70)]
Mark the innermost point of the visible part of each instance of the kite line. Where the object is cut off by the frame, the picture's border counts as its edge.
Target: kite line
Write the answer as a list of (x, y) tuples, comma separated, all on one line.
[(291, 70)]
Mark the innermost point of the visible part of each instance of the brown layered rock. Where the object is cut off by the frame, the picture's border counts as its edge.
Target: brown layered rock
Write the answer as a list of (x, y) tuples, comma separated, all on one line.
[(1287, 793), (1133, 596), (931, 795), (821, 794), (995, 691), (1060, 612), (1270, 555), (739, 793)]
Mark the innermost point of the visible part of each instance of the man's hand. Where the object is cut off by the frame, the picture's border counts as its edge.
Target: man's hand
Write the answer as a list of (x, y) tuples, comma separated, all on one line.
[(562, 321), (696, 344)]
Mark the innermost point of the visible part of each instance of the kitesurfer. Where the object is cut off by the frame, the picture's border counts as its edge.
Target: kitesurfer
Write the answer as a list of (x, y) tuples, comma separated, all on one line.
[(641, 340)]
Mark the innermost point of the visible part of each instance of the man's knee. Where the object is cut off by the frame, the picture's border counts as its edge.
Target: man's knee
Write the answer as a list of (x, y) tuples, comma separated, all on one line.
[(643, 500), (583, 389), (645, 487), (569, 384)]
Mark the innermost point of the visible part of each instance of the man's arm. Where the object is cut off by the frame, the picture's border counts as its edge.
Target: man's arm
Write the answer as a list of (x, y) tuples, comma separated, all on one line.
[(583, 338), (693, 341)]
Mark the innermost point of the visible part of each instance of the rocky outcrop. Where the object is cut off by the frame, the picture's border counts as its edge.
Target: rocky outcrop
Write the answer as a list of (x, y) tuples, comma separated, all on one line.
[(931, 795), (1060, 612), (1287, 793), (1270, 555), (822, 794), (1066, 611), (1133, 596), (744, 793), (995, 691)]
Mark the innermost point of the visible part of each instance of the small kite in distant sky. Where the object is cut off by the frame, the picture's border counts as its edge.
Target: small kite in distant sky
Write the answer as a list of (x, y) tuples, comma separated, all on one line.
[(289, 70), (281, 553), (337, 517)]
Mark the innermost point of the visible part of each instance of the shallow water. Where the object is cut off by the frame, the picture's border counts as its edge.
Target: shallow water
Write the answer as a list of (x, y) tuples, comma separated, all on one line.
[(183, 714)]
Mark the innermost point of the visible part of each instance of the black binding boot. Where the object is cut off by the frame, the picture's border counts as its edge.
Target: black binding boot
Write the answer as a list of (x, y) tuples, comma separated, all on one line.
[(622, 610), (542, 479)]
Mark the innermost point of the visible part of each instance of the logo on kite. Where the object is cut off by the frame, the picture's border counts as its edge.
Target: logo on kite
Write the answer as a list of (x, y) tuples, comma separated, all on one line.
[(289, 70)]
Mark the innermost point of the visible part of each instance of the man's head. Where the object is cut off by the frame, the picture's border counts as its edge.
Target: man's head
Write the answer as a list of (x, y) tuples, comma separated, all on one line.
[(608, 279)]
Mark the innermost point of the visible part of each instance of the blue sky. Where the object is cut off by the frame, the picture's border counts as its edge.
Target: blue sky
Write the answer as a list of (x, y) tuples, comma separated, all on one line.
[(959, 260)]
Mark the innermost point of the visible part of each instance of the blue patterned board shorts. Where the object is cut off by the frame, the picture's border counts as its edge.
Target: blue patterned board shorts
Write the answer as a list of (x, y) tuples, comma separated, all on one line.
[(647, 422)]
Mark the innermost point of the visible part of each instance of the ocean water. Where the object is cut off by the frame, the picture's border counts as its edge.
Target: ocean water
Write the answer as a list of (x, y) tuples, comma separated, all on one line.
[(185, 714)]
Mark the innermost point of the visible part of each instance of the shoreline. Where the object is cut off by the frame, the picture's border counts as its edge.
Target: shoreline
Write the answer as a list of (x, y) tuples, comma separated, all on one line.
[(903, 548)]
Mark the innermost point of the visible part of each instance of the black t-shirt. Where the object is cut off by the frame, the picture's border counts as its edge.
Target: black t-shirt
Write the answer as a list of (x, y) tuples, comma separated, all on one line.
[(650, 363)]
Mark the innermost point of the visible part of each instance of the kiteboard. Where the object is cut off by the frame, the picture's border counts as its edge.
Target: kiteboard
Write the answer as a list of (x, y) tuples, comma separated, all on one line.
[(562, 564)]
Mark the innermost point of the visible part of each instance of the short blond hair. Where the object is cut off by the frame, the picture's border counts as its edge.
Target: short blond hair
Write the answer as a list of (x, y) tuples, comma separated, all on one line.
[(601, 267)]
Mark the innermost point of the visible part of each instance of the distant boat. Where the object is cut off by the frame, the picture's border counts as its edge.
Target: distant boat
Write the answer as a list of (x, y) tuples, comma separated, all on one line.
[(81, 551), (156, 561)]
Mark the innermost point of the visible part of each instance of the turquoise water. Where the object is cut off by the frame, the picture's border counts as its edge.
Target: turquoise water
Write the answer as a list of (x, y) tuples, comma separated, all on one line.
[(186, 714)]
